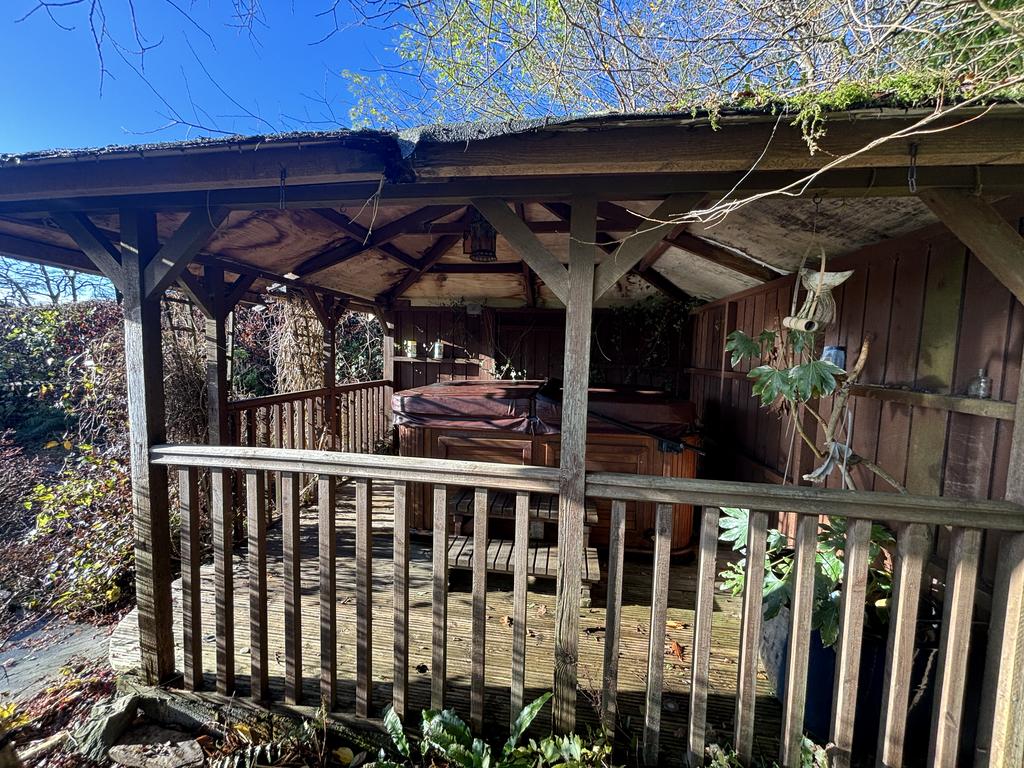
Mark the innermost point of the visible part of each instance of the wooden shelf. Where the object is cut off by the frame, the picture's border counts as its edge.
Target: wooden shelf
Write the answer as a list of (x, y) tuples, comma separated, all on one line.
[(993, 409), (442, 361)]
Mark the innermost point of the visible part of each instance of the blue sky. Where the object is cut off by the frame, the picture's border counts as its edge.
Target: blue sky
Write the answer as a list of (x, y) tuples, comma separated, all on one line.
[(52, 95)]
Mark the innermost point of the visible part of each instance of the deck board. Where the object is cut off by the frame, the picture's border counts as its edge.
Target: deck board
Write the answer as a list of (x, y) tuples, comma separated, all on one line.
[(635, 617)]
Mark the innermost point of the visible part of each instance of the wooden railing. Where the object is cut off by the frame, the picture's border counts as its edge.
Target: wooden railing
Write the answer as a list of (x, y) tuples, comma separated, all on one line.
[(914, 517), (361, 423)]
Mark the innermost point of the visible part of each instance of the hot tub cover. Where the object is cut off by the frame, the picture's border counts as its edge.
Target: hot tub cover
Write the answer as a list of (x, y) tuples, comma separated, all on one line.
[(535, 407)]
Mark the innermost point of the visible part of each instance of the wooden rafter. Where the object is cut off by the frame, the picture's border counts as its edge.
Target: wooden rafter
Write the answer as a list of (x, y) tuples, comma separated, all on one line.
[(175, 255), (431, 256), (981, 228), (94, 244), (530, 249), (360, 233), (646, 236), (723, 257), (608, 243), (385, 234), (698, 246)]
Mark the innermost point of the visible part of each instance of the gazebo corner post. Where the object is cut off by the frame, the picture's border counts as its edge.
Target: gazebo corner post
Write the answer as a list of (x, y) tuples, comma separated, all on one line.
[(572, 462), (221, 502), (1000, 742), (147, 427)]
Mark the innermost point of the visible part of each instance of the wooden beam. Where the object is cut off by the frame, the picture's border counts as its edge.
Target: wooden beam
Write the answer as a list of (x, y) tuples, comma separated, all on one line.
[(853, 182), (385, 234), (362, 234), (238, 289), (475, 268), (644, 238), (579, 300), (431, 256), (94, 244), (234, 164), (146, 428), (529, 288), (723, 257), (981, 228), (695, 146), (47, 254), (530, 249), (625, 219), (196, 291), (181, 247)]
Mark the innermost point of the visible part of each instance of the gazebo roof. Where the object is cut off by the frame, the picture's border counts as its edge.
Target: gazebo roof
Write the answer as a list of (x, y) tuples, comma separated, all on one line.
[(379, 216)]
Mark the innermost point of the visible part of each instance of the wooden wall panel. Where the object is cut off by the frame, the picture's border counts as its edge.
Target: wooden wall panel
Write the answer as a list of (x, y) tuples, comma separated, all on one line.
[(936, 315)]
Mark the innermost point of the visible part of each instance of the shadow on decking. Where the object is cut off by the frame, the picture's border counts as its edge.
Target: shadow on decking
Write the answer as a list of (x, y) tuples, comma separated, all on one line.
[(540, 631)]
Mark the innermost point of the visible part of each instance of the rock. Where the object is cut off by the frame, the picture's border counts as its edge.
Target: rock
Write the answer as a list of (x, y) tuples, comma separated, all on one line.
[(151, 746)]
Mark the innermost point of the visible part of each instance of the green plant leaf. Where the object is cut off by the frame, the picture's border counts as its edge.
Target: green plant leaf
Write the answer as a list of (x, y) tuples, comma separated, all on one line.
[(733, 527), (742, 347), (771, 383), (815, 378), (393, 724), (523, 720)]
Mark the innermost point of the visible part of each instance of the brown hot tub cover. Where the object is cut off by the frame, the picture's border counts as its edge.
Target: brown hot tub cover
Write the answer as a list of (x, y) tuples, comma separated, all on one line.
[(535, 407)]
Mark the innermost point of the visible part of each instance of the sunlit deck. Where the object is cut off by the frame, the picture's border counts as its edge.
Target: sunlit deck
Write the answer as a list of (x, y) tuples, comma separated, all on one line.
[(540, 632)]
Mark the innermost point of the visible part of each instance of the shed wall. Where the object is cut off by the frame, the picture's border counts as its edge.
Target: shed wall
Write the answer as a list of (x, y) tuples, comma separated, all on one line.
[(935, 315)]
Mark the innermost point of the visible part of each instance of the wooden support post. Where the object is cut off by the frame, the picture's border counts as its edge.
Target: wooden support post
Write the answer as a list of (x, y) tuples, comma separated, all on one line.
[(1000, 742), (221, 505), (572, 481), (145, 383)]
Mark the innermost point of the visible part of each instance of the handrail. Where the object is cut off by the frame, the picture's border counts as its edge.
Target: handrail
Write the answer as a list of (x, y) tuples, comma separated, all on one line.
[(302, 394), (284, 397), (865, 505), (377, 467)]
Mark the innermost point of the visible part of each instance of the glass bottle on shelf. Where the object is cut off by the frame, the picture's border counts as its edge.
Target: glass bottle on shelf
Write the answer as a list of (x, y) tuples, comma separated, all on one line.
[(980, 386)]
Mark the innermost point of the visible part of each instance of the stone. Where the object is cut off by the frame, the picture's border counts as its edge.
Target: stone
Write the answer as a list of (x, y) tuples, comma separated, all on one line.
[(152, 746)]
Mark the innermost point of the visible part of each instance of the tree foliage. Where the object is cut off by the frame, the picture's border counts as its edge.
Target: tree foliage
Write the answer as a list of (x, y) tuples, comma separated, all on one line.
[(500, 59)]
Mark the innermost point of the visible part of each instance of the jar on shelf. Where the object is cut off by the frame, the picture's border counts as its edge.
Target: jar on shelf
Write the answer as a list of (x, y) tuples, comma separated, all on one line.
[(980, 386)]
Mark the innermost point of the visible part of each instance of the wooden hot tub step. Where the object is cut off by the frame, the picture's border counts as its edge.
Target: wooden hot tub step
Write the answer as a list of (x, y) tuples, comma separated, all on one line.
[(501, 504), (542, 558)]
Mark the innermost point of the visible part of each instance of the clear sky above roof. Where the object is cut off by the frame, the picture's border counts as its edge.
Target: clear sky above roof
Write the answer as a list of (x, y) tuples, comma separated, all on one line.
[(281, 78)]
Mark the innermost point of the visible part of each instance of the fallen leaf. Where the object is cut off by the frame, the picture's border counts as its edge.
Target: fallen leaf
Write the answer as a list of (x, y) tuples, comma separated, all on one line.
[(422, 668), (508, 621), (542, 611), (593, 630), (344, 755), (677, 650), (674, 625)]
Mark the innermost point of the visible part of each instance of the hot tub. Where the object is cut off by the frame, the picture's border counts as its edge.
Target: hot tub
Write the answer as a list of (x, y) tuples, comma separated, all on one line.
[(634, 431)]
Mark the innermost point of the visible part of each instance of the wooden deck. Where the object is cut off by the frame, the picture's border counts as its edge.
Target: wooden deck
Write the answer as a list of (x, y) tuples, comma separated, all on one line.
[(539, 664)]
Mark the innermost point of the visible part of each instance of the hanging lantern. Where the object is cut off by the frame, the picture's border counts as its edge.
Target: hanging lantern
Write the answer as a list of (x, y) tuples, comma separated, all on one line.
[(480, 240)]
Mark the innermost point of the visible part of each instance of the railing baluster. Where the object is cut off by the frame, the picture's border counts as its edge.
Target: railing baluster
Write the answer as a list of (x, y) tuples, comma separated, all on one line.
[(364, 595), (290, 535), (794, 704), (519, 587), (223, 573), (703, 611), (479, 653), (191, 581), (957, 613), (856, 559), (255, 503), (913, 545), (439, 640), (326, 495), (401, 600), (750, 634), (656, 638), (613, 617)]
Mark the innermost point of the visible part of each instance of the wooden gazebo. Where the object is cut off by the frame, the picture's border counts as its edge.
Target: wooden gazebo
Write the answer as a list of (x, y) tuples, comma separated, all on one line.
[(584, 212)]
